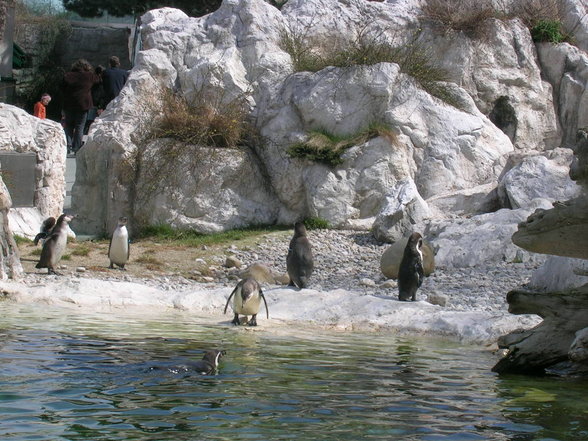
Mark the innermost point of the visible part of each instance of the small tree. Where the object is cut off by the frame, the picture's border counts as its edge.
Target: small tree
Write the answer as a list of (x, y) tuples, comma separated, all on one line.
[(119, 8)]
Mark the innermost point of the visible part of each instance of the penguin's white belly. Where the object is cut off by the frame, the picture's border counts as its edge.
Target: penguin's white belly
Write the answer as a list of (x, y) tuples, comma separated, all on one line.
[(251, 307), (58, 249), (119, 248)]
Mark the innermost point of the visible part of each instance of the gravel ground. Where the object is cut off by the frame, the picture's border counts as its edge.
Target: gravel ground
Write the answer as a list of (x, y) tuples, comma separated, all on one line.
[(347, 260)]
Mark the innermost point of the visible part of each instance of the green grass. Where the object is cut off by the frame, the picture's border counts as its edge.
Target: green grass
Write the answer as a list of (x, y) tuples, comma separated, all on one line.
[(22, 240), (193, 238), (548, 31), (316, 223), (81, 250)]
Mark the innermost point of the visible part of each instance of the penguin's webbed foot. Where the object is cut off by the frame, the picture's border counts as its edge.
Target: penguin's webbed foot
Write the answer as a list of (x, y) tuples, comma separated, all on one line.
[(111, 266), (253, 321), (235, 320), (52, 271)]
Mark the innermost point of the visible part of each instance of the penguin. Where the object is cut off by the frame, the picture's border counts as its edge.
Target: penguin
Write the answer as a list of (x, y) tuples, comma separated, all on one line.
[(299, 261), (410, 272), (119, 248), (46, 228), (209, 363), (54, 245), (248, 295)]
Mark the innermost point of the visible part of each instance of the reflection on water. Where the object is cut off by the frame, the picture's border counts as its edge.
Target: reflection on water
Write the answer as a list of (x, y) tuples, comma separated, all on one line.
[(101, 377)]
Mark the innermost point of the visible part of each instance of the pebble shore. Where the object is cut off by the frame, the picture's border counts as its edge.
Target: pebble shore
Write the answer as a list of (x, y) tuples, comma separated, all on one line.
[(350, 260)]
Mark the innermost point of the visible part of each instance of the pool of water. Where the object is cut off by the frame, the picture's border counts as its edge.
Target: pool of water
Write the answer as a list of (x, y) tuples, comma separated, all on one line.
[(70, 376)]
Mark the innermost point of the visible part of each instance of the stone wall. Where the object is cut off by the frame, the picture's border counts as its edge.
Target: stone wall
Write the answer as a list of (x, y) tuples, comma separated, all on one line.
[(21, 132), (10, 266)]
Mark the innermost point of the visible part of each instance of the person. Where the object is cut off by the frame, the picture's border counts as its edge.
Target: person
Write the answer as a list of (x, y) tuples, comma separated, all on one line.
[(77, 100), (113, 79), (97, 100), (40, 109)]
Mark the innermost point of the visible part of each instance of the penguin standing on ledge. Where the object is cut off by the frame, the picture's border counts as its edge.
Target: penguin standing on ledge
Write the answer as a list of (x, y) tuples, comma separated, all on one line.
[(299, 261), (410, 272), (247, 301), (119, 249), (54, 245)]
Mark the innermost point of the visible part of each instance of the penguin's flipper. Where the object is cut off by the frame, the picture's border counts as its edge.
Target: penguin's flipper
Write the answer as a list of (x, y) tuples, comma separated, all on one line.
[(38, 237), (229, 299), (264, 302)]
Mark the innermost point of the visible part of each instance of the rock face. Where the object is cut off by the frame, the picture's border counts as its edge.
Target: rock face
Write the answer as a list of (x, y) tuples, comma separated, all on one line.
[(558, 343), (441, 166), (10, 266), (24, 133)]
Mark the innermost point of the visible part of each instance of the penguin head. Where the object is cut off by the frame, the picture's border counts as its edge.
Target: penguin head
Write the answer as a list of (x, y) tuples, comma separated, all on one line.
[(122, 221), (248, 289), (299, 229), (212, 357), (415, 241)]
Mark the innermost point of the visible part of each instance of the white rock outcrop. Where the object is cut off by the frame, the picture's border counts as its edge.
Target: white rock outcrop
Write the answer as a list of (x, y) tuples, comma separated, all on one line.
[(453, 156), (21, 132)]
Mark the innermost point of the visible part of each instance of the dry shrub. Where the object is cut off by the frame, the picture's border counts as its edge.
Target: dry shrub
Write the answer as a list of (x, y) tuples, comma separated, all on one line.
[(531, 12), (326, 148), (458, 15), (212, 123)]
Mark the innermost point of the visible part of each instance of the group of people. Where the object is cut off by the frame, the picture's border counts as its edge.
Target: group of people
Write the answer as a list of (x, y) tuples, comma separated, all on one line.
[(85, 93)]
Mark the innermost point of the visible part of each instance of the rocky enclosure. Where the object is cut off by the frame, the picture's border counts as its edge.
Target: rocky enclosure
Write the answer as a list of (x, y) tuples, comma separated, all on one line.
[(458, 172)]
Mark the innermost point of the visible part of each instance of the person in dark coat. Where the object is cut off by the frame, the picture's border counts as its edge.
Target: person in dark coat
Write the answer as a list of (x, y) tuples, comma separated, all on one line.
[(77, 100), (113, 79)]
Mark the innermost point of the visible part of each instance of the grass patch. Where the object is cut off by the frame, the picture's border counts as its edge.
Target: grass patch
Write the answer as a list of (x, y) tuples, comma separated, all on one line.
[(191, 238), (81, 250), (548, 31), (458, 15), (326, 148), (413, 58), (36, 252), (66, 257), (22, 240), (148, 259), (316, 223)]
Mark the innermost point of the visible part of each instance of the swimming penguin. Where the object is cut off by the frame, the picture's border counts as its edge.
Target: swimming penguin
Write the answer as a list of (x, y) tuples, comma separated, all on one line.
[(46, 228), (410, 272), (248, 295), (54, 245), (299, 262), (209, 363), (119, 248)]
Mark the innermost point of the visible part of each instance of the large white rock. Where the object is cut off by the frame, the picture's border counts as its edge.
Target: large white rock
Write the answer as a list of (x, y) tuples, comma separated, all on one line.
[(566, 68), (478, 240), (502, 66), (560, 274), (539, 177), (21, 132)]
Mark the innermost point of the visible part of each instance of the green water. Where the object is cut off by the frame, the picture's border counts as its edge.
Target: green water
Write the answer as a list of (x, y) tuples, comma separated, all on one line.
[(65, 376)]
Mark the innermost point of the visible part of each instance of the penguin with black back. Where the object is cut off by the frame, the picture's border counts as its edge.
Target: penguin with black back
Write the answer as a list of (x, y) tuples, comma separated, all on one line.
[(209, 363), (247, 297), (299, 261), (46, 228), (54, 245), (410, 272)]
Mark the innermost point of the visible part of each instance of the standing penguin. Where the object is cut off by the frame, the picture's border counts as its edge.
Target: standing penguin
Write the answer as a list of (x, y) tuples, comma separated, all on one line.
[(299, 262), (119, 248), (54, 245), (411, 273), (248, 295)]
